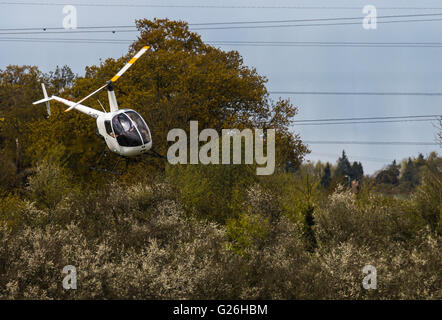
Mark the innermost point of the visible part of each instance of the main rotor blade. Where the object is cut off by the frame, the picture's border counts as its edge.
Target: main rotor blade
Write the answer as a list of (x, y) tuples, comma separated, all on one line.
[(87, 97), (115, 78), (130, 63)]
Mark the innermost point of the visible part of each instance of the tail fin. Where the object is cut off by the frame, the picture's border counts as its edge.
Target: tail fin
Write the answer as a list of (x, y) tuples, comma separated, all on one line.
[(46, 99)]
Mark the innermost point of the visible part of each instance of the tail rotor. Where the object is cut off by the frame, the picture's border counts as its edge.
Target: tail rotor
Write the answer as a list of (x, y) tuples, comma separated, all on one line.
[(45, 100), (45, 94)]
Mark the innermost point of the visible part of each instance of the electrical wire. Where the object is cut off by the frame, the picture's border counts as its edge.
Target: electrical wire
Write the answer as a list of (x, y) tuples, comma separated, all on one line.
[(355, 93), (396, 143), (371, 118), (114, 28), (358, 122), (300, 7), (248, 43)]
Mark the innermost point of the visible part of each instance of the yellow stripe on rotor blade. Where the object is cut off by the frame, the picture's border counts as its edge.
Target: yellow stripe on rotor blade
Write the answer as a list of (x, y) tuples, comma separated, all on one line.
[(131, 62)]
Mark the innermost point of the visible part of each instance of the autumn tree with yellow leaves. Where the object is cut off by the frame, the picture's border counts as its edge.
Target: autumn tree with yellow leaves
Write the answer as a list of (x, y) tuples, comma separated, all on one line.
[(181, 79)]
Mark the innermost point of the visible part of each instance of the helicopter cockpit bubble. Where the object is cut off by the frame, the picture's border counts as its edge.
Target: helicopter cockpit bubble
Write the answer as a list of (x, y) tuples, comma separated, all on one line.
[(140, 124), (130, 129)]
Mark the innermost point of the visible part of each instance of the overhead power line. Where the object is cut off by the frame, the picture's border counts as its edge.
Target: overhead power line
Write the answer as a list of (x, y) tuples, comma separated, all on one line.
[(359, 122), (396, 143), (371, 118), (319, 19), (223, 43), (230, 25), (70, 32), (71, 41), (355, 93), (240, 22), (328, 44), (264, 43), (367, 120), (242, 43), (300, 7), (313, 24), (61, 28)]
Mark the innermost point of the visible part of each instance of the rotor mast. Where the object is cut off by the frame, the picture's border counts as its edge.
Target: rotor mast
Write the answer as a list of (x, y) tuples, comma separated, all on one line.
[(112, 98)]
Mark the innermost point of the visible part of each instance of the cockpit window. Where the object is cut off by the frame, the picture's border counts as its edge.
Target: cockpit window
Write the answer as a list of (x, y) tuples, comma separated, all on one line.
[(141, 125), (126, 133)]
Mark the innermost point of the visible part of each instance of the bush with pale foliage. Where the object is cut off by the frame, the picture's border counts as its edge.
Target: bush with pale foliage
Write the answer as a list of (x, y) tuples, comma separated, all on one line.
[(140, 242)]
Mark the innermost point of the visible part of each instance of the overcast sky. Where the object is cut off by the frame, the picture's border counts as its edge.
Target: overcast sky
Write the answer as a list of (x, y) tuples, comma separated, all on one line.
[(287, 68)]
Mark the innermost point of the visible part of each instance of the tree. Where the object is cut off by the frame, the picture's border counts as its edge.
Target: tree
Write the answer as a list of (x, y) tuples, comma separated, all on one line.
[(428, 196), (7, 172), (420, 161), (62, 78), (357, 171), (19, 86), (410, 174), (326, 177), (343, 169), (389, 175), (180, 79)]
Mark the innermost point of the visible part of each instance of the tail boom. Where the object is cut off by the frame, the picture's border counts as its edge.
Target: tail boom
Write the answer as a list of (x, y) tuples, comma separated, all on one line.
[(87, 110)]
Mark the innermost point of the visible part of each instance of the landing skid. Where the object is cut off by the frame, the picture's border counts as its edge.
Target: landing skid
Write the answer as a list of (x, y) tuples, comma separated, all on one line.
[(105, 156), (155, 154)]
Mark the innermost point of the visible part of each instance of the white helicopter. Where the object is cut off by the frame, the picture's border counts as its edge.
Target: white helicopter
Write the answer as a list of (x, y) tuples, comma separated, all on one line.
[(124, 131)]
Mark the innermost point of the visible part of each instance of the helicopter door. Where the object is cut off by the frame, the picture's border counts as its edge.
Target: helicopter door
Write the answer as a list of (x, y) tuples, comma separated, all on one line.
[(125, 131), (107, 125), (141, 125)]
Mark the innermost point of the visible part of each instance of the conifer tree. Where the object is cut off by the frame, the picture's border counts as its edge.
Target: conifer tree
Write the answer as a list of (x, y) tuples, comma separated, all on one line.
[(326, 177)]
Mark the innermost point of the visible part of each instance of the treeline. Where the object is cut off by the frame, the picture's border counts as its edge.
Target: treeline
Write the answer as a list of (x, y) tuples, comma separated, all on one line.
[(403, 178), (395, 179), (19, 87), (343, 173), (194, 231)]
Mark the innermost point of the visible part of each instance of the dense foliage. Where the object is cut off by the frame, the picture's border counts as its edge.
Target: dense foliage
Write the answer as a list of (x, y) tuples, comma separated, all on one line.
[(284, 239)]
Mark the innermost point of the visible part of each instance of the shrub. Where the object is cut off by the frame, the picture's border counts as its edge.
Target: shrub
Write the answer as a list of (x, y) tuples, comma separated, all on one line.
[(428, 198), (49, 184), (374, 222)]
